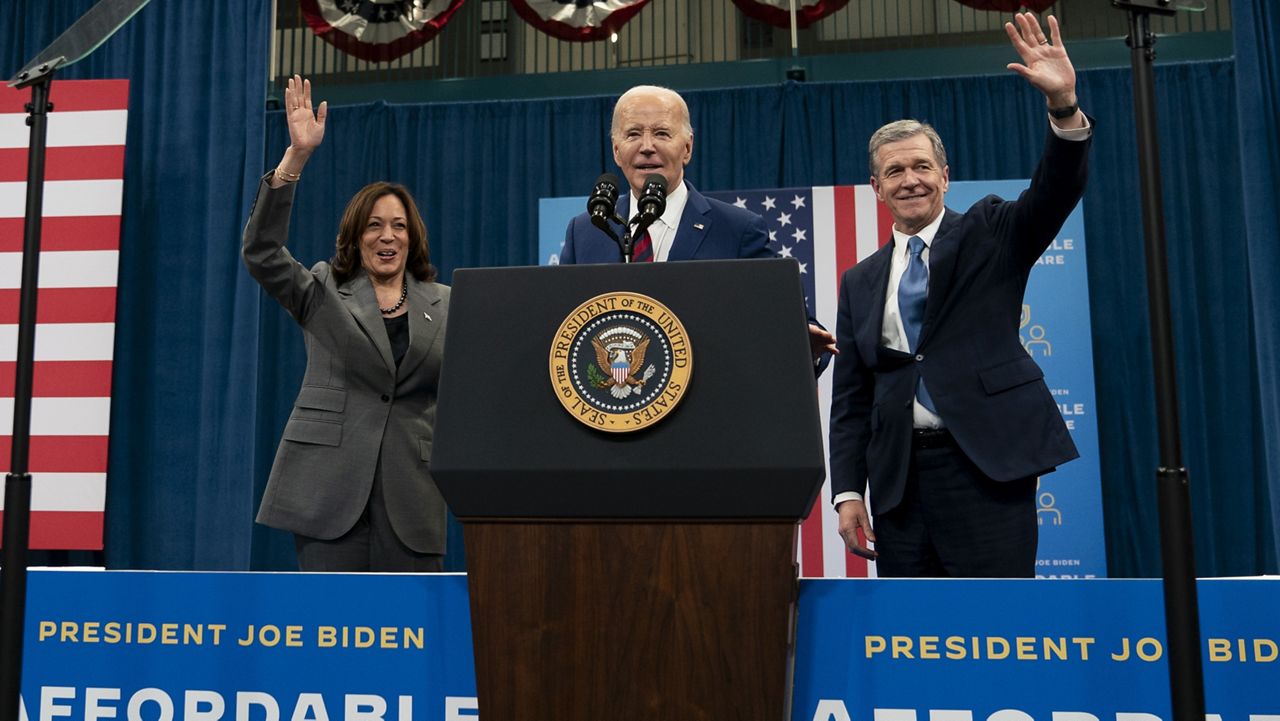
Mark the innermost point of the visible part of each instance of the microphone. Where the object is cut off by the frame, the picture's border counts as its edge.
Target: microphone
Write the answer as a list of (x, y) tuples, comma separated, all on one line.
[(653, 198), (604, 196), (600, 205)]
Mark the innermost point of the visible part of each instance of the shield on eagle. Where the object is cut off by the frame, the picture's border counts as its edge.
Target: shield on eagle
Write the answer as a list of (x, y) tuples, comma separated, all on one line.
[(620, 354)]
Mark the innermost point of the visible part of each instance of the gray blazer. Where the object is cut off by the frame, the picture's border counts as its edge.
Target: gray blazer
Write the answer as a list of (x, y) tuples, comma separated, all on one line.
[(354, 405)]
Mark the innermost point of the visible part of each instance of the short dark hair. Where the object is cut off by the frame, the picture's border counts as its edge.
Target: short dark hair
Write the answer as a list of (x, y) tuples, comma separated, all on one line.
[(346, 257)]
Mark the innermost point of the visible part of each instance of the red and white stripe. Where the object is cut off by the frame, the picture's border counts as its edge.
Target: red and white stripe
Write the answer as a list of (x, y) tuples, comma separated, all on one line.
[(849, 225), (75, 316)]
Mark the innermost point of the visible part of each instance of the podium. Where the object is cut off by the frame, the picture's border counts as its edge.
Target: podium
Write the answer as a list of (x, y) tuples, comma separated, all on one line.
[(644, 574)]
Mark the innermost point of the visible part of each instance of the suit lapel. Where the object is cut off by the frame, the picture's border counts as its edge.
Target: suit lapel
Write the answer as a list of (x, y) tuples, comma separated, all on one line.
[(872, 295), (695, 224), (942, 265), (425, 320), (358, 296)]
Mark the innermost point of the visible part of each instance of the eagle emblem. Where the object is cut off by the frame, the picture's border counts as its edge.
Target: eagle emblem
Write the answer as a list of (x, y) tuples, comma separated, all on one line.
[(620, 355), (620, 362)]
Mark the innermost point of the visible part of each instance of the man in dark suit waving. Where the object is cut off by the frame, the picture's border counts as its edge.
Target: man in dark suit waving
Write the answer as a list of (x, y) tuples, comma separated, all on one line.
[(936, 406), (651, 133)]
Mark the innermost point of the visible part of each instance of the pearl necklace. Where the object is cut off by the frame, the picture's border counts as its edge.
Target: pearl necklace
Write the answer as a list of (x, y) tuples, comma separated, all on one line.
[(404, 293)]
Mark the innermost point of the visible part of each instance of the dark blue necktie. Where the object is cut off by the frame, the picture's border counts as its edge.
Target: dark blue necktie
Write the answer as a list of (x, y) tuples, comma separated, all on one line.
[(913, 290)]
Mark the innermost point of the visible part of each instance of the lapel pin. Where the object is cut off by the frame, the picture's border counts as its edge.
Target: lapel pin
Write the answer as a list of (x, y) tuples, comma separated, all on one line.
[(699, 226), (424, 315)]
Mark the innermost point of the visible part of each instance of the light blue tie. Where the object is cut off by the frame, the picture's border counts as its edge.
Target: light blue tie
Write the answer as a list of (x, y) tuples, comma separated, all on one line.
[(913, 289)]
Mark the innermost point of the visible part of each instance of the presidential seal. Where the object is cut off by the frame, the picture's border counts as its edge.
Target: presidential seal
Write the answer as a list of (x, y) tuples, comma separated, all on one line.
[(620, 362)]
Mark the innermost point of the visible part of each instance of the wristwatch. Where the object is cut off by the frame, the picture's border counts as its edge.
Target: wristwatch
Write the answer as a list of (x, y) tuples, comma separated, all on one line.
[(1064, 113)]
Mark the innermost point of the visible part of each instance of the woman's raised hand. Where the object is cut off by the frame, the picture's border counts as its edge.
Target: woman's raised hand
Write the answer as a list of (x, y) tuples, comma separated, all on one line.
[(306, 125)]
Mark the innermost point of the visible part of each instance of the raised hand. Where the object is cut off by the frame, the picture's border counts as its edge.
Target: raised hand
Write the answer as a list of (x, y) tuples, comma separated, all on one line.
[(1044, 60), (306, 127)]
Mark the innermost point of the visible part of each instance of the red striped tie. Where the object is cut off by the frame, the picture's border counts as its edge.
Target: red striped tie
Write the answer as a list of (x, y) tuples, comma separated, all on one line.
[(643, 250)]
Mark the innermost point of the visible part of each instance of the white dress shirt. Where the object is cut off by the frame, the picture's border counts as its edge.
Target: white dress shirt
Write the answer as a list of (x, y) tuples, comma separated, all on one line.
[(662, 234)]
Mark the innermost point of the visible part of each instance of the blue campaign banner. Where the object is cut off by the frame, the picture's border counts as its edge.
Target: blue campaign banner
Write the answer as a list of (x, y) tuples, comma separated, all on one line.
[(1067, 650), (1055, 331), (164, 646), (154, 646)]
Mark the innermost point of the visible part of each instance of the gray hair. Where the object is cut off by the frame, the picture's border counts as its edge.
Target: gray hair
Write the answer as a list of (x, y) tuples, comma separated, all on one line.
[(653, 90), (901, 130)]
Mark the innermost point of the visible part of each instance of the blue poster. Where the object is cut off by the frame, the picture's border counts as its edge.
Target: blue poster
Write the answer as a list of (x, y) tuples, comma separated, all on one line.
[(1068, 650), (166, 646), (154, 646)]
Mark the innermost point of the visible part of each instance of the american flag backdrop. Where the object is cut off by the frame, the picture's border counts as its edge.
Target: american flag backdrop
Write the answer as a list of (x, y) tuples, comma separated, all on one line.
[(75, 330), (827, 229)]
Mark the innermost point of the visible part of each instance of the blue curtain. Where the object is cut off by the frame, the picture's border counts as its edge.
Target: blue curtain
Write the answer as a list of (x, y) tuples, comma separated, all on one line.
[(179, 494), (1255, 27), (466, 161)]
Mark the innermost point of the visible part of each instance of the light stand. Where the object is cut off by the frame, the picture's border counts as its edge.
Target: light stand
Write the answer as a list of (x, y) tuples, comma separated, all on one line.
[(1181, 608), (17, 487), (82, 38)]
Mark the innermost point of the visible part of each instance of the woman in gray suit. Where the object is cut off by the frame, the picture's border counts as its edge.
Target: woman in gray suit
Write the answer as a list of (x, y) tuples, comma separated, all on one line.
[(351, 478)]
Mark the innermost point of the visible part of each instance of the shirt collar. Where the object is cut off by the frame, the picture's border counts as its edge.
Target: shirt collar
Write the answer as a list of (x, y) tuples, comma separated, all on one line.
[(676, 200), (926, 233)]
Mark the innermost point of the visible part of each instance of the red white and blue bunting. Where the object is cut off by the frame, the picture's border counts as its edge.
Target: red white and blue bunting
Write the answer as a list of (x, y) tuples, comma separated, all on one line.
[(578, 20), (778, 12), (382, 30), (1009, 6), (378, 30)]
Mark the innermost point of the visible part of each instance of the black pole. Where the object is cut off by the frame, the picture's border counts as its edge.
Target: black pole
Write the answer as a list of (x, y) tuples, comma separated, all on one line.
[(17, 487), (1181, 608), (74, 44), (627, 244)]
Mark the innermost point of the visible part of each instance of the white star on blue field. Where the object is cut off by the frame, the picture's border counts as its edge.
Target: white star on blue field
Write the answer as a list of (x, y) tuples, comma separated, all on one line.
[(790, 232)]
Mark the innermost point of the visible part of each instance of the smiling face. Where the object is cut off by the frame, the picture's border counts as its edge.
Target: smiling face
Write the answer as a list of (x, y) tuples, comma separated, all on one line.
[(911, 181), (384, 244), (651, 134)]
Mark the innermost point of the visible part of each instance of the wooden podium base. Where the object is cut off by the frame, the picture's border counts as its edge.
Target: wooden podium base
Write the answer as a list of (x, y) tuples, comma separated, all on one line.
[(612, 621)]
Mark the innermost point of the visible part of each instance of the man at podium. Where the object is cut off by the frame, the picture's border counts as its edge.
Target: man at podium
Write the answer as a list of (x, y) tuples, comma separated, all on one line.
[(652, 134)]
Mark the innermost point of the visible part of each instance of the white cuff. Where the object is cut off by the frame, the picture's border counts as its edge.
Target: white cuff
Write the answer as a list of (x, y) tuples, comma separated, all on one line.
[(846, 496), (1074, 133)]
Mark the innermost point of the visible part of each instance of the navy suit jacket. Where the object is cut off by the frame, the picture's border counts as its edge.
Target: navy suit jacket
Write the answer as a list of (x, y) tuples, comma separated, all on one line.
[(709, 230), (990, 394)]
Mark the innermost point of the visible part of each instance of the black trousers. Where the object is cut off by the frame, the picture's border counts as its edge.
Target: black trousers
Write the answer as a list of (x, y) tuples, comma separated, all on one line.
[(370, 545), (954, 521)]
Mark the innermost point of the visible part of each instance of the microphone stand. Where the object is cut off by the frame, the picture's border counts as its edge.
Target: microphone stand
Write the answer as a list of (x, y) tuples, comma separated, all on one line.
[(1182, 615), (642, 222), (625, 243), (627, 246)]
